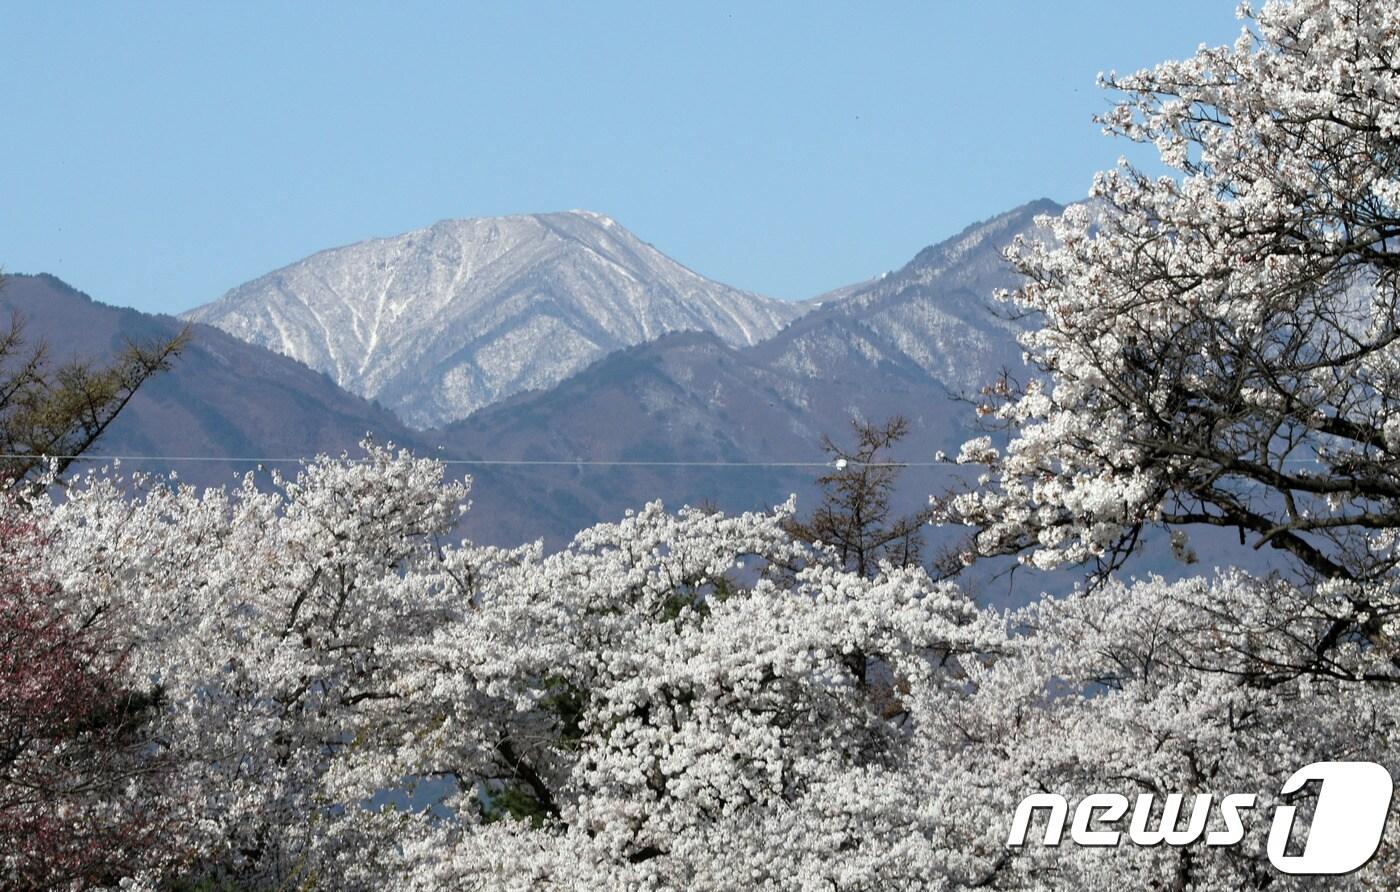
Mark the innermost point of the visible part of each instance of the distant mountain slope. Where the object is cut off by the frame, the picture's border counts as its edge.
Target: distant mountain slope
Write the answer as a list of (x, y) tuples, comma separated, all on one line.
[(442, 321), (907, 343), (936, 314), (686, 398), (222, 398)]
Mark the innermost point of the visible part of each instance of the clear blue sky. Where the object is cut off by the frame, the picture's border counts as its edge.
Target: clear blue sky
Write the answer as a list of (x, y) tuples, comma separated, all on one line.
[(157, 155)]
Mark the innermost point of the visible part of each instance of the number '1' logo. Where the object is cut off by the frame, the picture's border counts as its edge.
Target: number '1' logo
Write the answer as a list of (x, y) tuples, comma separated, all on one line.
[(1347, 823)]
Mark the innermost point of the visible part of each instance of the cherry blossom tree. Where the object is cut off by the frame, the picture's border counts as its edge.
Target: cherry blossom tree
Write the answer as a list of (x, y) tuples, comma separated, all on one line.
[(1219, 347), (662, 677), (1153, 689), (267, 616), (1215, 348), (669, 701), (74, 766)]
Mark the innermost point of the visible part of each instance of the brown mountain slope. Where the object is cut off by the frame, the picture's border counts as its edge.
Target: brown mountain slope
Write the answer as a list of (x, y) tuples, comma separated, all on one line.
[(223, 398)]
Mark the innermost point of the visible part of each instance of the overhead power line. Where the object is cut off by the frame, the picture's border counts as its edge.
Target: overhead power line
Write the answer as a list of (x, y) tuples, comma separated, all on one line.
[(560, 462), (838, 464)]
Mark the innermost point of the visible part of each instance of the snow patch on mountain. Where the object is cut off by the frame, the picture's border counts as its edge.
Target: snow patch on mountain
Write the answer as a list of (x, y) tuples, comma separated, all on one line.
[(439, 322)]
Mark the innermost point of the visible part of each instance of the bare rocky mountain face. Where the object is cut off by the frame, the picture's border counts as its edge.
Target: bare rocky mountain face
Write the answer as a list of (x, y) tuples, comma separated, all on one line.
[(440, 322)]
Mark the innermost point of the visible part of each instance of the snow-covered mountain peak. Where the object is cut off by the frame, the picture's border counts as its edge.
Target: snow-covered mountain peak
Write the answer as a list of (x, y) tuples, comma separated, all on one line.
[(438, 322)]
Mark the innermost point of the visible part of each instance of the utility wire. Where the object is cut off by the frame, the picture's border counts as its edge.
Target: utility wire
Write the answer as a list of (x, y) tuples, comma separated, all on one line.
[(561, 462), (838, 464)]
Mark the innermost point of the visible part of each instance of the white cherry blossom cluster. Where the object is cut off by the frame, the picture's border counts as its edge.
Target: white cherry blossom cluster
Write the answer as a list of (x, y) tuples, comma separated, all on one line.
[(1220, 346), (675, 701)]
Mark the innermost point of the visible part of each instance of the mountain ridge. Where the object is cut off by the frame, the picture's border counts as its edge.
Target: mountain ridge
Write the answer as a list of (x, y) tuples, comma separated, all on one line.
[(690, 397), (910, 341), (443, 320), (201, 406)]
